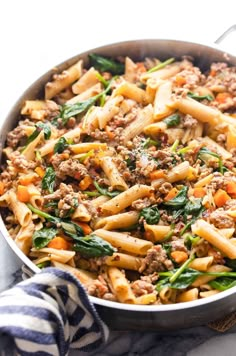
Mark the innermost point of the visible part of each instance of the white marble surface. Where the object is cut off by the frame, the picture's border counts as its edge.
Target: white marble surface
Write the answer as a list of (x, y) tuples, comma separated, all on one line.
[(38, 35)]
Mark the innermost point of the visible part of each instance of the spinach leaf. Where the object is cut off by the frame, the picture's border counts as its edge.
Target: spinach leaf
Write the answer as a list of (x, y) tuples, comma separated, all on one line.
[(200, 97), (105, 191), (43, 264), (38, 128), (193, 207), (61, 145), (161, 65), (179, 200), (150, 214), (48, 180), (69, 110), (43, 236), (184, 280), (172, 120), (230, 263), (222, 283), (93, 246), (104, 64)]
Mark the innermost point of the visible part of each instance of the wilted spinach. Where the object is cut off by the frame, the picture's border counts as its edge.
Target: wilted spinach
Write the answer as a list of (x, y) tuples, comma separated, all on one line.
[(104, 64), (172, 120), (200, 97), (105, 191), (61, 145), (40, 126), (48, 180), (179, 200), (150, 214), (43, 236)]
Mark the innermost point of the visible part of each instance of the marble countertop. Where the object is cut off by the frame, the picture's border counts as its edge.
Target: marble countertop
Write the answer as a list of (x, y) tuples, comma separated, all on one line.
[(35, 36)]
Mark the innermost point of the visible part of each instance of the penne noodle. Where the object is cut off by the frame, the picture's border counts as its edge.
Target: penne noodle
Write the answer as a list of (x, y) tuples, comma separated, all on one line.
[(89, 79), (131, 91), (161, 101), (144, 118), (212, 235), (113, 222), (87, 146), (84, 277), (146, 299), (20, 210), (125, 242), (120, 286), (125, 199), (201, 264), (205, 279), (125, 261), (90, 92), (187, 296), (156, 233), (112, 172), (63, 80)]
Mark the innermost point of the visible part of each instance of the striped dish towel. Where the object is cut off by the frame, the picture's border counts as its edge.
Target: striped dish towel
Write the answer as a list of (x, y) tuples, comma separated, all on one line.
[(47, 315)]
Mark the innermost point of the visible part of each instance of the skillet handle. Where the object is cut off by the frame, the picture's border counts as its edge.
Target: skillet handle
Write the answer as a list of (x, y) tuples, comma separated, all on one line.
[(226, 39)]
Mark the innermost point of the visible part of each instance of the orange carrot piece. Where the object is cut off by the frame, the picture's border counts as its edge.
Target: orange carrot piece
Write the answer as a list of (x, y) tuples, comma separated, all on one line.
[(23, 194), (157, 174), (59, 243), (172, 193), (222, 97), (179, 256), (221, 197), (141, 67), (109, 133), (213, 73), (199, 192), (85, 227), (40, 171), (180, 80), (2, 186), (27, 179), (231, 188), (85, 183)]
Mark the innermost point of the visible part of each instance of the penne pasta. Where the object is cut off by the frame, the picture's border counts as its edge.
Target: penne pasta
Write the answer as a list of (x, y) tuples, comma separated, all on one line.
[(125, 242), (63, 80), (125, 199), (212, 235), (111, 171)]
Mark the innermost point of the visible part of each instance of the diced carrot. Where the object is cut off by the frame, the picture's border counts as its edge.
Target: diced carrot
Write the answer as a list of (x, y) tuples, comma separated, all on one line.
[(179, 256), (180, 80), (213, 73), (23, 194), (221, 98), (1, 188), (221, 197), (85, 227), (77, 175), (27, 179), (59, 243), (85, 182), (109, 133), (141, 67), (172, 193), (40, 171), (231, 188), (199, 192), (157, 174)]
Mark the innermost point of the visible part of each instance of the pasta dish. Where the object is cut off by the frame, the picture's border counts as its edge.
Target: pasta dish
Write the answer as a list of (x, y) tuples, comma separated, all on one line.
[(124, 175)]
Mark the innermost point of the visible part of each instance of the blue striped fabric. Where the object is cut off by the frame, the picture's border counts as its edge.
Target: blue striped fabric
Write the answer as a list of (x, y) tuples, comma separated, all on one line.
[(48, 314)]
